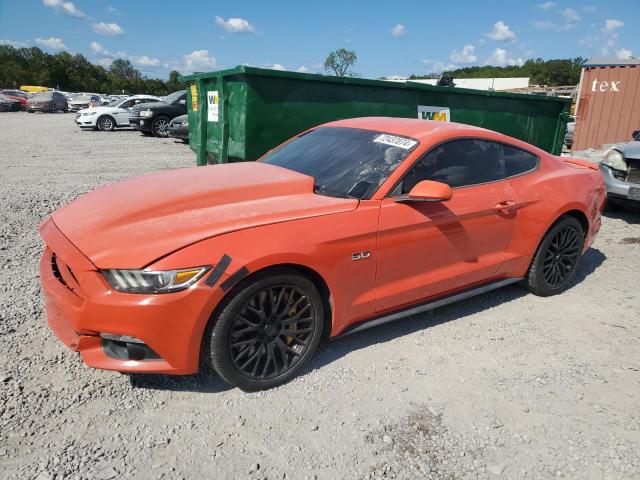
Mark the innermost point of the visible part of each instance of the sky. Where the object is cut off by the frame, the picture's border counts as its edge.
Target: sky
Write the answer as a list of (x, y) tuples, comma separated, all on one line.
[(390, 38)]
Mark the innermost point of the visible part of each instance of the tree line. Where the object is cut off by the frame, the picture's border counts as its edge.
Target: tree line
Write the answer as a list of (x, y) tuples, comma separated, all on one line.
[(540, 72), (74, 73)]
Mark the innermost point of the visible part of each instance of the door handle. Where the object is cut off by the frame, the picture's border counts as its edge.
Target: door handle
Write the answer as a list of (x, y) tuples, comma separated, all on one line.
[(505, 208)]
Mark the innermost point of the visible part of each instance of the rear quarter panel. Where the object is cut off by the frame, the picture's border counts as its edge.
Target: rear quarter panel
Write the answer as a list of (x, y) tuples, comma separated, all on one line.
[(556, 188)]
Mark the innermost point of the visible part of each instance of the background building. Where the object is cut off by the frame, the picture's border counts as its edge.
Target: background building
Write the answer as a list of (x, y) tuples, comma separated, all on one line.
[(608, 108)]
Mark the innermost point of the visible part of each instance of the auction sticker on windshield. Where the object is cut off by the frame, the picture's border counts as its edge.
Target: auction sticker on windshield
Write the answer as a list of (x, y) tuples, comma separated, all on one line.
[(394, 141)]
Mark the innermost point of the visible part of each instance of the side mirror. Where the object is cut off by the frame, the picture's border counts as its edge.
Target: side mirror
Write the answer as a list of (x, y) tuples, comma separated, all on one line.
[(136, 102), (428, 191), (183, 102), (636, 135)]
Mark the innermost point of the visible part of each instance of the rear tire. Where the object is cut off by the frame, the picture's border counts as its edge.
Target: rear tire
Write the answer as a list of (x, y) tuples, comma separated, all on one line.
[(265, 330), (556, 261)]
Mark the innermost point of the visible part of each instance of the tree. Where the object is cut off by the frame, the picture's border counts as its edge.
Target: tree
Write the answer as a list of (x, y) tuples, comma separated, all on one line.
[(124, 69), (173, 84), (340, 62)]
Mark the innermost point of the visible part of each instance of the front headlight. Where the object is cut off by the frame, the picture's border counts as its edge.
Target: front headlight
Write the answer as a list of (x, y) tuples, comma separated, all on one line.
[(615, 159), (146, 113), (144, 281), (88, 113)]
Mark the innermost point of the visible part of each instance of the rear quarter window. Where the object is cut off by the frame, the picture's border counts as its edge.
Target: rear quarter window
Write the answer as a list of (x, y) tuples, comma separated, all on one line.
[(517, 162)]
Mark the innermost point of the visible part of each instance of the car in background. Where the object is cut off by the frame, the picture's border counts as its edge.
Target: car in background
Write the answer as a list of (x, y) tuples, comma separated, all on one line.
[(15, 105), (153, 118), (179, 128), (110, 117), (49, 101), (84, 100), (620, 168), (568, 137), (349, 225), (5, 105), (21, 97)]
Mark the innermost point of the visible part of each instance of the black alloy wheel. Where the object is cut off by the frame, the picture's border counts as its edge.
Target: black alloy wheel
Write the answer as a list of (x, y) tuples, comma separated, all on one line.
[(561, 256), (266, 331), (271, 332), (556, 261)]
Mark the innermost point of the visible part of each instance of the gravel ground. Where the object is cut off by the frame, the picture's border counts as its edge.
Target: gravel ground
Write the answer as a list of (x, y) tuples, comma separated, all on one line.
[(507, 385)]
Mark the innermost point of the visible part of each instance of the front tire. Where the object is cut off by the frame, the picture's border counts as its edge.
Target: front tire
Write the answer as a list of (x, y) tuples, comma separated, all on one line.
[(106, 123), (159, 127), (265, 331), (556, 261)]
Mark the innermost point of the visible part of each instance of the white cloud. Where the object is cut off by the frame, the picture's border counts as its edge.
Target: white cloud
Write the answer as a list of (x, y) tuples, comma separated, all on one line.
[(437, 67), (544, 25), (399, 30), (113, 10), (611, 24), (499, 57), (546, 6), (51, 42), (71, 10), (67, 7), (502, 33), (107, 29), (303, 69), (105, 62), (96, 47), (145, 61), (235, 25), (277, 66), (467, 55), (571, 18), (590, 8), (624, 54), (198, 60), (12, 43)]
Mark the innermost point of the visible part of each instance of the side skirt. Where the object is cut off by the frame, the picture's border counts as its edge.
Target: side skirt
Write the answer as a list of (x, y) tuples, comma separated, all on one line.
[(441, 302)]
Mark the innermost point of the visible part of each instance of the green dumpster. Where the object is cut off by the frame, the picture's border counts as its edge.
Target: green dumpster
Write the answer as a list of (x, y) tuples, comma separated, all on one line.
[(241, 113)]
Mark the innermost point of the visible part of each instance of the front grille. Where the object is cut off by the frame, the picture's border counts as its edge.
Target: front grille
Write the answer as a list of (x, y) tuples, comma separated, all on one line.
[(633, 173)]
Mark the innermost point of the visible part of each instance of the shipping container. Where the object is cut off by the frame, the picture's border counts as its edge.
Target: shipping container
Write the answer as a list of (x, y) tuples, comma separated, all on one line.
[(240, 114), (608, 108)]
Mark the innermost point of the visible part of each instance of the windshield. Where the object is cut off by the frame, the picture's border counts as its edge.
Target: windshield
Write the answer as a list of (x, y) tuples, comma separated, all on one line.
[(42, 95), (344, 162), (172, 97)]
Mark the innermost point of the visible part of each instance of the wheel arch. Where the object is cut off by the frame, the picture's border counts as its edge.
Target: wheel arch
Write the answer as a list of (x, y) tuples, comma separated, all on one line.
[(578, 215), (303, 270)]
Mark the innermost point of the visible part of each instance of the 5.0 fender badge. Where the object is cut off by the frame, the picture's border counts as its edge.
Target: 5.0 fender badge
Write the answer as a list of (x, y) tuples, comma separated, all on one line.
[(360, 255)]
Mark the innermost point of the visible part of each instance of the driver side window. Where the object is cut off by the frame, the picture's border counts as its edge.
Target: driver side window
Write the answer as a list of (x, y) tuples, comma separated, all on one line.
[(458, 163)]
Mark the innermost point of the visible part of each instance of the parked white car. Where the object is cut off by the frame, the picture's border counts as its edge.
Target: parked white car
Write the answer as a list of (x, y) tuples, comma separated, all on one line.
[(110, 117)]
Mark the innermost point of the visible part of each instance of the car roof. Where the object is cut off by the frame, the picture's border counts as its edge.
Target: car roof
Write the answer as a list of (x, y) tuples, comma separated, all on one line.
[(410, 127)]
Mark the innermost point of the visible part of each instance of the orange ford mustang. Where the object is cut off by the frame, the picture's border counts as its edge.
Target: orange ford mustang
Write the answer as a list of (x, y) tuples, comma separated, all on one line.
[(351, 224)]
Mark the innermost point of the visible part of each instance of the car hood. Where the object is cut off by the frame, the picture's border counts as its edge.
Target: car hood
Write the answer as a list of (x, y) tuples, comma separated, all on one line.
[(131, 223), (630, 149)]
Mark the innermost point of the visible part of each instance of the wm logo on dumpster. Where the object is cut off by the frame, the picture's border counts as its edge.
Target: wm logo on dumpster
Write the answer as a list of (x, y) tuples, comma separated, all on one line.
[(439, 114)]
